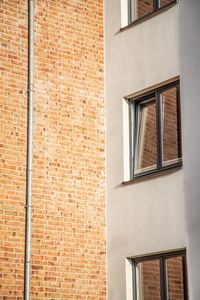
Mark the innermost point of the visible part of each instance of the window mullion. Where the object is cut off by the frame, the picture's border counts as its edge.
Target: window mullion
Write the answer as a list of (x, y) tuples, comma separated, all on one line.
[(130, 11), (134, 265), (159, 131), (185, 279), (179, 122), (156, 4), (132, 127), (163, 279)]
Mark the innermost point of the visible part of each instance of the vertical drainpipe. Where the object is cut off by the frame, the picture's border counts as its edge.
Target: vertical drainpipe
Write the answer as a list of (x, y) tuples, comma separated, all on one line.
[(29, 149)]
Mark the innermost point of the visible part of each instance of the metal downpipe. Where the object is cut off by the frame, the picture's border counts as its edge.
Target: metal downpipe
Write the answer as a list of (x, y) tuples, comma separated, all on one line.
[(30, 92)]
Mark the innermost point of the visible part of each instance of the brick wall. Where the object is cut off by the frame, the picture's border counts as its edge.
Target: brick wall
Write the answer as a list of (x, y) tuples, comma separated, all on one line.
[(13, 107), (68, 241)]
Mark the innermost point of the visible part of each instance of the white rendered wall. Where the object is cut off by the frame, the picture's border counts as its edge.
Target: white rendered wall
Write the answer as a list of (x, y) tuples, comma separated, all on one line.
[(189, 57), (163, 213)]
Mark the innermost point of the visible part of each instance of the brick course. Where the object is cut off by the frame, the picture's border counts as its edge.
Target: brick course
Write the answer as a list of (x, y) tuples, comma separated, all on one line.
[(68, 239)]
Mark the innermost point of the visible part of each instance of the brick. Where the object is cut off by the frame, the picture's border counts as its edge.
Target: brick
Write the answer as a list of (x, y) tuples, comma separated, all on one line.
[(68, 241)]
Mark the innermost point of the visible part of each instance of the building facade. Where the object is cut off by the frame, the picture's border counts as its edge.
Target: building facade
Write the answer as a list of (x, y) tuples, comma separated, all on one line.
[(68, 192), (152, 67), (152, 76)]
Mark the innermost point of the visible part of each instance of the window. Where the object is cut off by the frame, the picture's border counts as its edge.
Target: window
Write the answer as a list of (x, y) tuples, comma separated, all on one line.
[(155, 131), (160, 276), (140, 8)]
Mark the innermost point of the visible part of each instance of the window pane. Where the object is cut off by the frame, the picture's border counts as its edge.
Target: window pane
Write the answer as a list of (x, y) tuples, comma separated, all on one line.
[(148, 280), (146, 140), (170, 126), (165, 2), (175, 278), (143, 7)]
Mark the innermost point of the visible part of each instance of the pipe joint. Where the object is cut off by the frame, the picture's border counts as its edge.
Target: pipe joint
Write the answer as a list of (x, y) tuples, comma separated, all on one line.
[(28, 206), (30, 89)]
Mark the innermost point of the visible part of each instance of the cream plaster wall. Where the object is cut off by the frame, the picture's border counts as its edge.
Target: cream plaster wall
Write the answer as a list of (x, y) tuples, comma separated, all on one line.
[(153, 215)]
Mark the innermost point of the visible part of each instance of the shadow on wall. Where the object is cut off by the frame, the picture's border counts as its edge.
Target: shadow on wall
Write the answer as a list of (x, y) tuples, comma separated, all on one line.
[(189, 53)]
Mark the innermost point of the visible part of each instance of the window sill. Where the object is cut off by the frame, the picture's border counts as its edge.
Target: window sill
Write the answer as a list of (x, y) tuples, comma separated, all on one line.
[(153, 174), (150, 15)]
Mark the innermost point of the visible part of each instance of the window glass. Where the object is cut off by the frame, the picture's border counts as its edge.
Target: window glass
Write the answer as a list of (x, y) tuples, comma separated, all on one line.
[(148, 280), (143, 7), (165, 2), (175, 281), (170, 125), (146, 137), (140, 8), (160, 277), (155, 134)]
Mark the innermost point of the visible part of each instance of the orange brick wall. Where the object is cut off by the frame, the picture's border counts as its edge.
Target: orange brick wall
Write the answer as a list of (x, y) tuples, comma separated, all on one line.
[(13, 108), (68, 240)]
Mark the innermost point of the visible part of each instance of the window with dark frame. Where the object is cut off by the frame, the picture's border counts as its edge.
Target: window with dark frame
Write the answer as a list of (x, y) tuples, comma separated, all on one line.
[(138, 9), (160, 276), (155, 131)]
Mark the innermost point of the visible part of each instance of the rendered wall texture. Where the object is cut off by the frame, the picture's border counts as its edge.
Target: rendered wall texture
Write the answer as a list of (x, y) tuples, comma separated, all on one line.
[(68, 240), (141, 216)]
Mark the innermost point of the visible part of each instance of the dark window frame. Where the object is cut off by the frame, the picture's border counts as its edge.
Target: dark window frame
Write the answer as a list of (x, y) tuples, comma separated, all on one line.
[(133, 106), (156, 9), (162, 257)]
